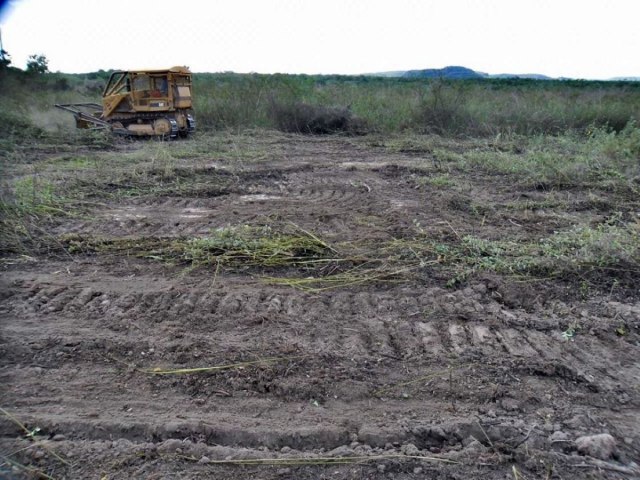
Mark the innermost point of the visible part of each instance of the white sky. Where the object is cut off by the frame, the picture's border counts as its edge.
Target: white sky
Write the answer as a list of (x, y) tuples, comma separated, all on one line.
[(571, 38)]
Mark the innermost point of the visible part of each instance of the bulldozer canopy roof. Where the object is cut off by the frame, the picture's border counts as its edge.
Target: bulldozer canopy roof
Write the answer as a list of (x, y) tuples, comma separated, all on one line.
[(184, 70)]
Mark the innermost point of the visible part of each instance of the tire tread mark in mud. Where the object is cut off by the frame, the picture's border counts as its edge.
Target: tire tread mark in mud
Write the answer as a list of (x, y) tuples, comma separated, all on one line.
[(458, 338), (514, 343)]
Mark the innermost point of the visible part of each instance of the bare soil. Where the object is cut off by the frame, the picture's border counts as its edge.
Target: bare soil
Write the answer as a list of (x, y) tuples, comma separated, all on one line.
[(414, 378)]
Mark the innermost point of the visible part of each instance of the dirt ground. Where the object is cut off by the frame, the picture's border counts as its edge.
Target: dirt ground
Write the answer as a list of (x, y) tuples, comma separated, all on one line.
[(406, 379)]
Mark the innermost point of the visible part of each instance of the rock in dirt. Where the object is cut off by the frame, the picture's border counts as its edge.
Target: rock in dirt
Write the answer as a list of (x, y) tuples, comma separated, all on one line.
[(410, 449), (560, 441), (38, 454), (85, 296), (559, 436), (473, 445), (341, 451), (170, 446), (468, 440), (602, 446), (378, 437), (510, 404)]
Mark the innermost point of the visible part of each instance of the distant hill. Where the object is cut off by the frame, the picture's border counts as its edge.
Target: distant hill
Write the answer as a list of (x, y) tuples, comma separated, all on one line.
[(386, 74), (532, 76), (453, 72), (458, 72)]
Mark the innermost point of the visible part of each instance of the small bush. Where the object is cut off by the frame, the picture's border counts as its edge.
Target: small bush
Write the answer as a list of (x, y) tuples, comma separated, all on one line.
[(314, 119), (616, 145), (442, 109)]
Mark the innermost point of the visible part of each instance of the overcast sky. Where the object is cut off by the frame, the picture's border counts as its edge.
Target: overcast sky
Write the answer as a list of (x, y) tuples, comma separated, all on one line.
[(570, 38)]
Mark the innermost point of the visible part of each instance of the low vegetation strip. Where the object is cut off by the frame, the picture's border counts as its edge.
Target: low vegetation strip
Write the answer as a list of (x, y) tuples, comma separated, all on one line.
[(234, 247), (322, 104), (611, 249), (607, 248)]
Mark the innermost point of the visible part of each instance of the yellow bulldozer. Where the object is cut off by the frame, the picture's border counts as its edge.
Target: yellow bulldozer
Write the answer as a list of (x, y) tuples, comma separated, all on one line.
[(146, 103)]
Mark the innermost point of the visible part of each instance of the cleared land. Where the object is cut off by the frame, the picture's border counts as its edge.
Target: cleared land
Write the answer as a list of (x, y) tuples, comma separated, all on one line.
[(363, 307)]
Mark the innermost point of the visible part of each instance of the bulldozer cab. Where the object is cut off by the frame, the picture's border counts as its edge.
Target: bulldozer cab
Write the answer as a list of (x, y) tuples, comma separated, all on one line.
[(147, 91)]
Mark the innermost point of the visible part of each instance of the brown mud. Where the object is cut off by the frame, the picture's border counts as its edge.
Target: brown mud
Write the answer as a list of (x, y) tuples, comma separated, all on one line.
[(407, 379)]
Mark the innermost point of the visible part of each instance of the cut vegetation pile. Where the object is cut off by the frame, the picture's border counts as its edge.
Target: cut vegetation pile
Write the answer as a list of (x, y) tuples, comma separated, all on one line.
[(236, 247)]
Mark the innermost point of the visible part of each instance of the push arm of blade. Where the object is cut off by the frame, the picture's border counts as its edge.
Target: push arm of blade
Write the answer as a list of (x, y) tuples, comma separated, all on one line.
[(75, 108)]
